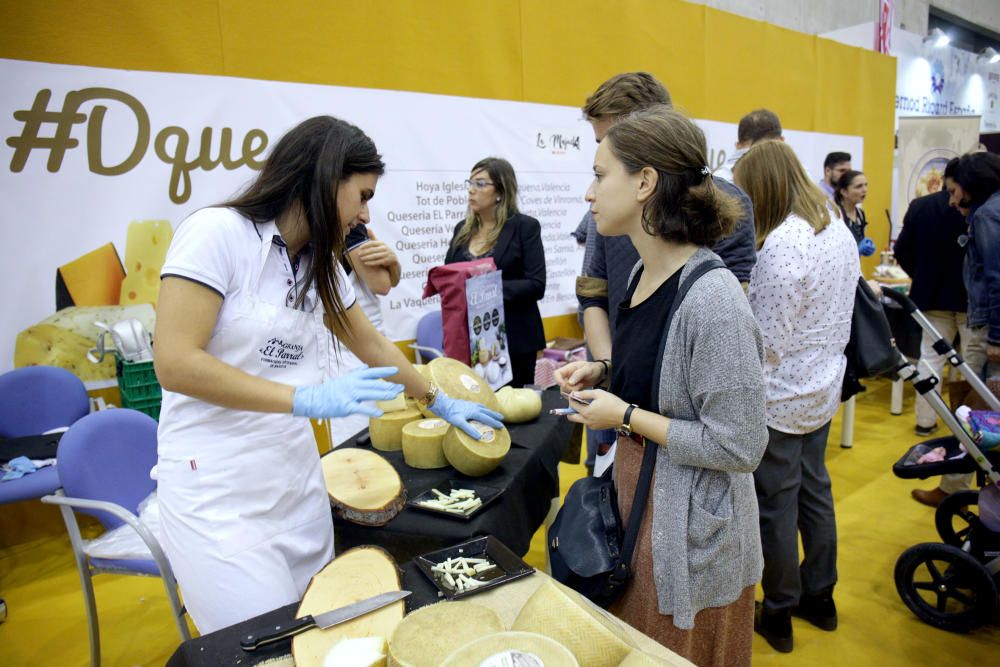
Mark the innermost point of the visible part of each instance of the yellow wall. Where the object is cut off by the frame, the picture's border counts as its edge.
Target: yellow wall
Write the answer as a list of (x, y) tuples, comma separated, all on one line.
[(717, 66)]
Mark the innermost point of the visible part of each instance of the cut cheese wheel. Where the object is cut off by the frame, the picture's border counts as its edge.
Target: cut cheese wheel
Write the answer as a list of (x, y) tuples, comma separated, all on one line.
[(422, 446), (459, 381), (562, 614), (386, 432), (524, 649), (354, 575), (364, 488), (476, 457), (398, 403), (428, 635), (639, 659), (360, 652)]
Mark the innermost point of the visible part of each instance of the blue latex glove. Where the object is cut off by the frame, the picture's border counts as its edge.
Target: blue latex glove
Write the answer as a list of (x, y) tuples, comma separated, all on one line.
[(344, 395), (459, 413), (866, 247)]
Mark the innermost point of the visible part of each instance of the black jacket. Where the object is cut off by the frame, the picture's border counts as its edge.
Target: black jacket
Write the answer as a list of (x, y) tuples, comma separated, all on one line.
[(520, 255), (927, 249)]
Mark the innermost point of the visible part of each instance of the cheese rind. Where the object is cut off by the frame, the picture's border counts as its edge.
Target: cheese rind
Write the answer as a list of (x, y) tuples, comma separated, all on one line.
[(639, 659), (472, 457), (459, 381), (519, 405), (563, 615), (422, 444), (386, 432), (512, 648), (428, 635)]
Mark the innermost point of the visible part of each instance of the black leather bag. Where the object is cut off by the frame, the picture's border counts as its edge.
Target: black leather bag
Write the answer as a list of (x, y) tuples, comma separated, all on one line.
[(588, 550), (871, 350)]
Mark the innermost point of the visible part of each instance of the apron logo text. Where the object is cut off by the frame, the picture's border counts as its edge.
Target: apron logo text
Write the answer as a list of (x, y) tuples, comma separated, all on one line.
[(276, 353)]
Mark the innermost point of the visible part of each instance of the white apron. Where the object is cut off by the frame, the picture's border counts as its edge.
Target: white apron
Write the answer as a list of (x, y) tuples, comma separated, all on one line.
[(246, 517)]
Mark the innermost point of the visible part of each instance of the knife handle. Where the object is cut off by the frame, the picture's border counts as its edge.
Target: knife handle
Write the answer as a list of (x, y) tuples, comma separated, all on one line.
[(299, 625)]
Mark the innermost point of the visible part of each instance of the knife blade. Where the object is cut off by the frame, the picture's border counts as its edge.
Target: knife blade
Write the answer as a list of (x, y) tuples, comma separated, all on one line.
[(325, 620)]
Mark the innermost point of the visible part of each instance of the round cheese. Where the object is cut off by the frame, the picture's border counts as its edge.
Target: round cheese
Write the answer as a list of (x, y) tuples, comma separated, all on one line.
[(386, 432), (596, 639), (524, 649), (398, 403), (519, 405), (476, 457), (422, 443), (428, 635), (459, 381)]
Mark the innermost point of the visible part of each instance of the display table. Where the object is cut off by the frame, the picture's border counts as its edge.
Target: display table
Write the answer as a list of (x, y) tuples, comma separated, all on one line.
[(528, 476), (222, 648)]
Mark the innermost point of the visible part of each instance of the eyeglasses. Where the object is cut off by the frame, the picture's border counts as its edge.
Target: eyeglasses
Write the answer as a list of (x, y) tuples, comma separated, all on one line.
[(477, 184)]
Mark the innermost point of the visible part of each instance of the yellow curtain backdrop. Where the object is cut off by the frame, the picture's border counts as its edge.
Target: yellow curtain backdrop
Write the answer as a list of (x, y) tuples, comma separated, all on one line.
[(717, 66)]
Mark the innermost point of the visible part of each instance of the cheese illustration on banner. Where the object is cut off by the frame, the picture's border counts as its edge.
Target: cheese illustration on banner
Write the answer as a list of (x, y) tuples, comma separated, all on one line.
[(48, 345), (145, 251), (95, 279)]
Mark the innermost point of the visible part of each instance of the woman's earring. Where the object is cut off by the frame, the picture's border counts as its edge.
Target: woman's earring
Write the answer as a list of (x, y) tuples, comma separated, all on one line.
[(498, 200)]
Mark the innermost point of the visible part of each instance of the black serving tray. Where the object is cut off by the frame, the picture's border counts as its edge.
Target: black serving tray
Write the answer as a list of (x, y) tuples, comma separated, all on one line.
[(485, 493), (509, 566)]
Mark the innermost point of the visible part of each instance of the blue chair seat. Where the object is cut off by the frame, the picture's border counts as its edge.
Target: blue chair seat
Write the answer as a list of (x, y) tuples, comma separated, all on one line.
[(127, 566), (34, 485)]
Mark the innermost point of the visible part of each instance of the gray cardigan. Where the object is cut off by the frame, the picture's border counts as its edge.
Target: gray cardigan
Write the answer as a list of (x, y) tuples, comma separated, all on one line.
[(706, 535)]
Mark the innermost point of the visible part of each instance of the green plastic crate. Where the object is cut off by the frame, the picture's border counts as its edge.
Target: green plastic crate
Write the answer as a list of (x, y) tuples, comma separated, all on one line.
[(138, 386)]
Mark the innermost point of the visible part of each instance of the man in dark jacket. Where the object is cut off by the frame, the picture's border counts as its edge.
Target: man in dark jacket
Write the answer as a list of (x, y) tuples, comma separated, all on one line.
[(928, 249)]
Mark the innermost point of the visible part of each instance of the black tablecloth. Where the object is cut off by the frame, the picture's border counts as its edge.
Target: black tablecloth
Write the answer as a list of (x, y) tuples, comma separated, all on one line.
[(529, 477), (222, 647)]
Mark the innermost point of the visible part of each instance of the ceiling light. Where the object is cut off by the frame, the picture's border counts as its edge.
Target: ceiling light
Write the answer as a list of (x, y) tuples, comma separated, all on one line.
[(937, 38), (990, 55)]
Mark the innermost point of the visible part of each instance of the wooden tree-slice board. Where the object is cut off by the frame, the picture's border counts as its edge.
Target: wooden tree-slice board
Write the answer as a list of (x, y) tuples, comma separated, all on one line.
[(363, 487), (355, 575)]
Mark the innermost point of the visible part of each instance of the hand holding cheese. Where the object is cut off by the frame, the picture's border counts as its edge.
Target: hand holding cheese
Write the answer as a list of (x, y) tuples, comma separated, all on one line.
[(459, 413), (344, 395)]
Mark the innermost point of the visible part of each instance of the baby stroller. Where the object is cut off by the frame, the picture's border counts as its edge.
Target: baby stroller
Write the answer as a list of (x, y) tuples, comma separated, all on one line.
[(952, 585)]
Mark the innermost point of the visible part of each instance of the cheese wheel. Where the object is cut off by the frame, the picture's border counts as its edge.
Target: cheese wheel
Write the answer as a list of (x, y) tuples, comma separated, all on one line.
[(562, 614), (422, 443), (476, 457), (398, 403), (519, 405), (459, 381), (427, 636), (524, 649), (639, 659), (386, 432)]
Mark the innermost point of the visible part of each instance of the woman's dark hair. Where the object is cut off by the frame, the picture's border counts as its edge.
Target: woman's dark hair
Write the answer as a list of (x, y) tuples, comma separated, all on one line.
[(304, 169), (686, 206), (978, 174), (843, 183)]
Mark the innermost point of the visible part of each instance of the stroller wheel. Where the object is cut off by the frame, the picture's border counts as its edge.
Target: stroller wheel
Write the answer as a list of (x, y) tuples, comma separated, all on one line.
[(945, 587), (955, 516)]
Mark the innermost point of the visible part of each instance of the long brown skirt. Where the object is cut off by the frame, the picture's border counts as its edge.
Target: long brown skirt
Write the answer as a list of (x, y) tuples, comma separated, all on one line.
[(722, 636)]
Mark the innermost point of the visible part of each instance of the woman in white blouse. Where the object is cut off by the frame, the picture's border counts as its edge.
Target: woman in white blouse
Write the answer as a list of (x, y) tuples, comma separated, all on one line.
[(802, 294)]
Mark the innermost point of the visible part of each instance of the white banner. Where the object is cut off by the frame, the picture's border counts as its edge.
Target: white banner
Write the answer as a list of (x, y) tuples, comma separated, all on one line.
[(88, 150), (926, 144)]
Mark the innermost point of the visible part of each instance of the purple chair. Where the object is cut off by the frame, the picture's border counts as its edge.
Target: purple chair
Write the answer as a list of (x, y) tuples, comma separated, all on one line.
[(104, 462), (430, 338), (34, 400)]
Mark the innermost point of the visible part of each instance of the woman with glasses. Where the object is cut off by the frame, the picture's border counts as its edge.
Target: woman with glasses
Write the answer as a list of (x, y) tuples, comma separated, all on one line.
[(493, 227)]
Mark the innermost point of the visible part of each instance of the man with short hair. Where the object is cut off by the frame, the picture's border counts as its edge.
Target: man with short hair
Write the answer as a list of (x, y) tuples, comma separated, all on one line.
[(835, 165), (758, 125)]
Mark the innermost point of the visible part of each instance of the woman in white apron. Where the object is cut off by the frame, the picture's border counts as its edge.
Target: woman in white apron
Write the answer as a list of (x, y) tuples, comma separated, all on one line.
[(250, 294)]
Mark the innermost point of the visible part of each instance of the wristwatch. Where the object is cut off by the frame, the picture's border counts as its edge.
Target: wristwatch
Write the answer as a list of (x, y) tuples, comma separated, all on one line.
[(427, 400), (626, 428)]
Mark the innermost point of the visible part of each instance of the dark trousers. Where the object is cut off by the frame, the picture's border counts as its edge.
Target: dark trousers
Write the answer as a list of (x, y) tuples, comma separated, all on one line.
[(522, 365), (794, 496)]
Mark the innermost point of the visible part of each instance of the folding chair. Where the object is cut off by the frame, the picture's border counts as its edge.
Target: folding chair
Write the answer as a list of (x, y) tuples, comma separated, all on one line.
[(104, 463), (430, 338)]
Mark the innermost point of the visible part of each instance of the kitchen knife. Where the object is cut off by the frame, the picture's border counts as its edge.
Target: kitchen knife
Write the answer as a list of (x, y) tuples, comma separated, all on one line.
[(322, 621)]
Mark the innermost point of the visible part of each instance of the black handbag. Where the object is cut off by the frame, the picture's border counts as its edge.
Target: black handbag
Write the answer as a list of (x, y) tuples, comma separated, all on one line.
[(871, 350), (588, 550)]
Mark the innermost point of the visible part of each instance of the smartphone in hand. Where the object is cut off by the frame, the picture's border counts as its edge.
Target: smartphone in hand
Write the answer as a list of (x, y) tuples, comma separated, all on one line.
[(572, 397)]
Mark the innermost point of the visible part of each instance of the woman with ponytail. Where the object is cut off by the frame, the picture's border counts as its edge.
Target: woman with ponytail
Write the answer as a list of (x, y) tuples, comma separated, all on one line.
[(690, 386)]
